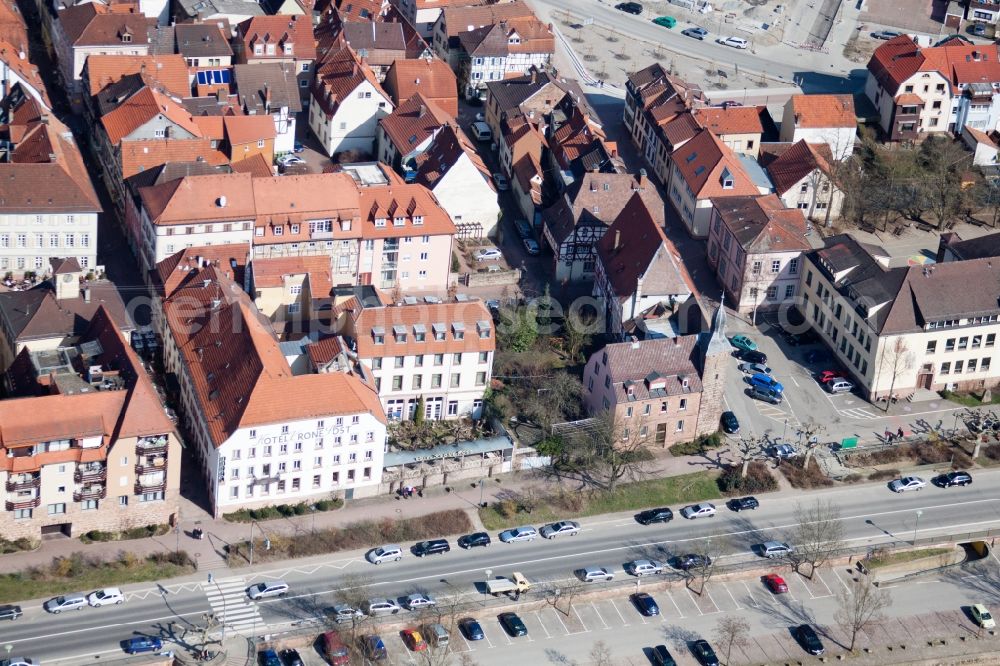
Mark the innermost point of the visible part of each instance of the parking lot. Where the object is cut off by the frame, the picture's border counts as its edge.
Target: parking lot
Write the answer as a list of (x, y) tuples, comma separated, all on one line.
[(557, 636)]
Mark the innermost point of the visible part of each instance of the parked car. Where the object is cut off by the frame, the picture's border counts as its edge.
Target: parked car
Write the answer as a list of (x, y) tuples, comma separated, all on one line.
[(704, 653), (341, 613), (752, 356), (290, 657), (693, 561), (765, 382), (978, 29), (773, 549), (982, 617), (775, 583), (512, 624), (10, 612), (818, 356), (885, 34), (784, 451), (374, 648), (481, 131), (643, 567), (413, 640), (907, 483), (337, 652), (65, 602), (381, 606), (523, 229), (562, 528), (754, 369), (701, 510), (594, 574), (629, 7), (809, 640), (141, 644), (743, 503), (513, 535), (18, 661), (829, 375), (953, 479), (735, 42), (389, 552), (501, 182), (298, 147), (437, 634), (661, 656), (665, 21), (695, 33), (645, 604), (267, 589), (472, 630), (764, 395), (660, 515), (474, 540), (531, 246), (743, 342), (487, 254), (106, 597), (418, 601), (432, 547), (730, 424)]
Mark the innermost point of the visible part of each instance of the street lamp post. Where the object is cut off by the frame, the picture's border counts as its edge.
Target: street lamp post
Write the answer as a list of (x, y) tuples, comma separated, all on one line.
[(251, 543), (482, 483), (177, 546), (211, 579), (915, 525)]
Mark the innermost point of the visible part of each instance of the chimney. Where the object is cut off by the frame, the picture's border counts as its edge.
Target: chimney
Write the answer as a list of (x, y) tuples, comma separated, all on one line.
[(222, 201), (618, 240), (677, 341), (21, 54), (267, 98), (423, 110), (642, 179), (534, 75)]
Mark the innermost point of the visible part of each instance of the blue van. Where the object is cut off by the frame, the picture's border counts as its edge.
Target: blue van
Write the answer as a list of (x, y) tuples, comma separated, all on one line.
[(766, 382)]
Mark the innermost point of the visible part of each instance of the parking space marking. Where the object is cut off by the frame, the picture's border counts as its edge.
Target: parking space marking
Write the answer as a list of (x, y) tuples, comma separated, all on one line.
[(694, 601), (586, 630), (467, 643), (544, 628), (753, 600), (829, 592), (565, 628), (838, 577), (737, 604), (624, 621), (712, 599), (671, 597), (599, 616)]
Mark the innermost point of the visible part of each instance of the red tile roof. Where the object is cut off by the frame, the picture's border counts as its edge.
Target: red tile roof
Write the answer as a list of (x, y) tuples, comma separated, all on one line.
[(175, 271), (94, 24), (731, 120), (269, 272), (338, 76), (900, 58), (283, 201), (478, 334), (406, 201), (819, 111), (444, 152), (796, 163), (168, 71), (257, 166), (407, 121), (278, 30), (249, 129), (209, 197), (704, 161), (140, 108), (143, 154), (17, 60), (431, 77)]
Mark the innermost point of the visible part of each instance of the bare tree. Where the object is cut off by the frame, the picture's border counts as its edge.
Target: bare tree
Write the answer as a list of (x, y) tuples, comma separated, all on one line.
[(810, 432), (565, 593), (607, 451), (707, 553), (896, 359), (755, 281), (601, 655), (817, 536), (731, 631), (859, 605), (942, 162), (747, 449), (355, 591)]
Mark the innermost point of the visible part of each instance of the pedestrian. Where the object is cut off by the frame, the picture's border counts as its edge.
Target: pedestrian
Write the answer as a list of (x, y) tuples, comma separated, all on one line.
[(900, 432)]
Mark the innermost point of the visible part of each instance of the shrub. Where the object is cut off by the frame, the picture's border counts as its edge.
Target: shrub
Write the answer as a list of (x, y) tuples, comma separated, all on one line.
[(328, 504), (16, 546), (883, 474), (97, 535), (802, 478), (697, 446), (992, 451), (128, 560), (961, 460), (853, 478), (757, 480), (456, 265)]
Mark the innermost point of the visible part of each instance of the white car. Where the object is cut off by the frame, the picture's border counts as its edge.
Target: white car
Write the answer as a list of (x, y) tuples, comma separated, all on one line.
[(735, 42), (267, 589), (487, 254), (703, 510), (568, 527), (525, 533), (418, 601), (287, 159), (754, 369), (907, 483), (501, 181), (106, 597), (643, 567), (389, 552)]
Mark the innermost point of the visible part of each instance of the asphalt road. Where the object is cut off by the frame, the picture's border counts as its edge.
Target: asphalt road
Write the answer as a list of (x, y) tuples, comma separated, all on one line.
[(871, 514)]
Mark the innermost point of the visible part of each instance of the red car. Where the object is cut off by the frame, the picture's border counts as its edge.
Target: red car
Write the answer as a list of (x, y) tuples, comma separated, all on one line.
[(828, 375), (775, 583), (414, 640)]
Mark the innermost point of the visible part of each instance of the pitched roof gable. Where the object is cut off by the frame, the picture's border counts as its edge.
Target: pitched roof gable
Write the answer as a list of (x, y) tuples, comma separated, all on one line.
[(142, 107), (705, 163)]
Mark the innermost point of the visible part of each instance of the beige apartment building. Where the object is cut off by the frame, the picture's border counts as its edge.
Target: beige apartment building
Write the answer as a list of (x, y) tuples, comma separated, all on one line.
[(105, 456)]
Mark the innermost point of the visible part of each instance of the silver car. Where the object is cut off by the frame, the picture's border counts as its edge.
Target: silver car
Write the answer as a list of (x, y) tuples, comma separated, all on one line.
[(703, 510), (418, 601), (377, 607), (643, 567), (563, 527), (525, 533), (595, 574), (65, 602)]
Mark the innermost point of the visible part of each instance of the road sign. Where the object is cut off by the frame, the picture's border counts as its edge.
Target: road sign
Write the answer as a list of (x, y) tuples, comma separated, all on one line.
[(849, 443)]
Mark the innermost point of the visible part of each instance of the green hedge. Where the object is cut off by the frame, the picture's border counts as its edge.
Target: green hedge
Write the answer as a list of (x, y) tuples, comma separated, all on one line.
[(281, 511)]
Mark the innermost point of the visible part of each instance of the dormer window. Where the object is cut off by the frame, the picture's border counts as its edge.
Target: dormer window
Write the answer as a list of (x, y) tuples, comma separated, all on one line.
[(398, 221), (288, 49), (258, 49), (379, 221), (126, 38), (458, 330), (399, 332), (418, 220), (727, 180), (278, 231), (378, 335), (270, 49), (439, 331), (419, 332), (345, 225), (483, 327)]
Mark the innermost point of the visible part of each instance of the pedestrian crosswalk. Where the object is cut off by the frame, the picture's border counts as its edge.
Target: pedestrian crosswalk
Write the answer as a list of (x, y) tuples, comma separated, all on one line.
[(860, 414), (231, 605)]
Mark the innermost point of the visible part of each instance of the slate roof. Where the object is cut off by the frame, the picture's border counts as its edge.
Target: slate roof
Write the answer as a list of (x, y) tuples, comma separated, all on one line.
[(278, 78), (201, 40), (762, 224), (672, 359), (795, 163), (495, 40), (406, 122), (214, 8), (598, 199), (36, 314), (975, 248)]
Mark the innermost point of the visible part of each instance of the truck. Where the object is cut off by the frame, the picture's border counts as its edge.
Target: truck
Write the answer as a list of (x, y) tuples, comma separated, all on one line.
[(514, 585)]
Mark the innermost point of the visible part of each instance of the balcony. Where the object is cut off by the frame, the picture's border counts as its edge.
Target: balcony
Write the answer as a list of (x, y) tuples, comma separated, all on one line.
[(90, 493), (23, 483), (147, 467), (149, 446), (31, 503), (157, 486), (97, 473)]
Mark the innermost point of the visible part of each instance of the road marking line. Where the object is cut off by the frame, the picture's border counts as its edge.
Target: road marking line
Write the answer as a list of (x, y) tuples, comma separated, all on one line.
[(693, 600), (599, 617), (738, 607), (565, 628), (750, 596), (585, 629), (829, 592), (838, 577), (712, 599), (544, 628), (670, 596), (624, 622)]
